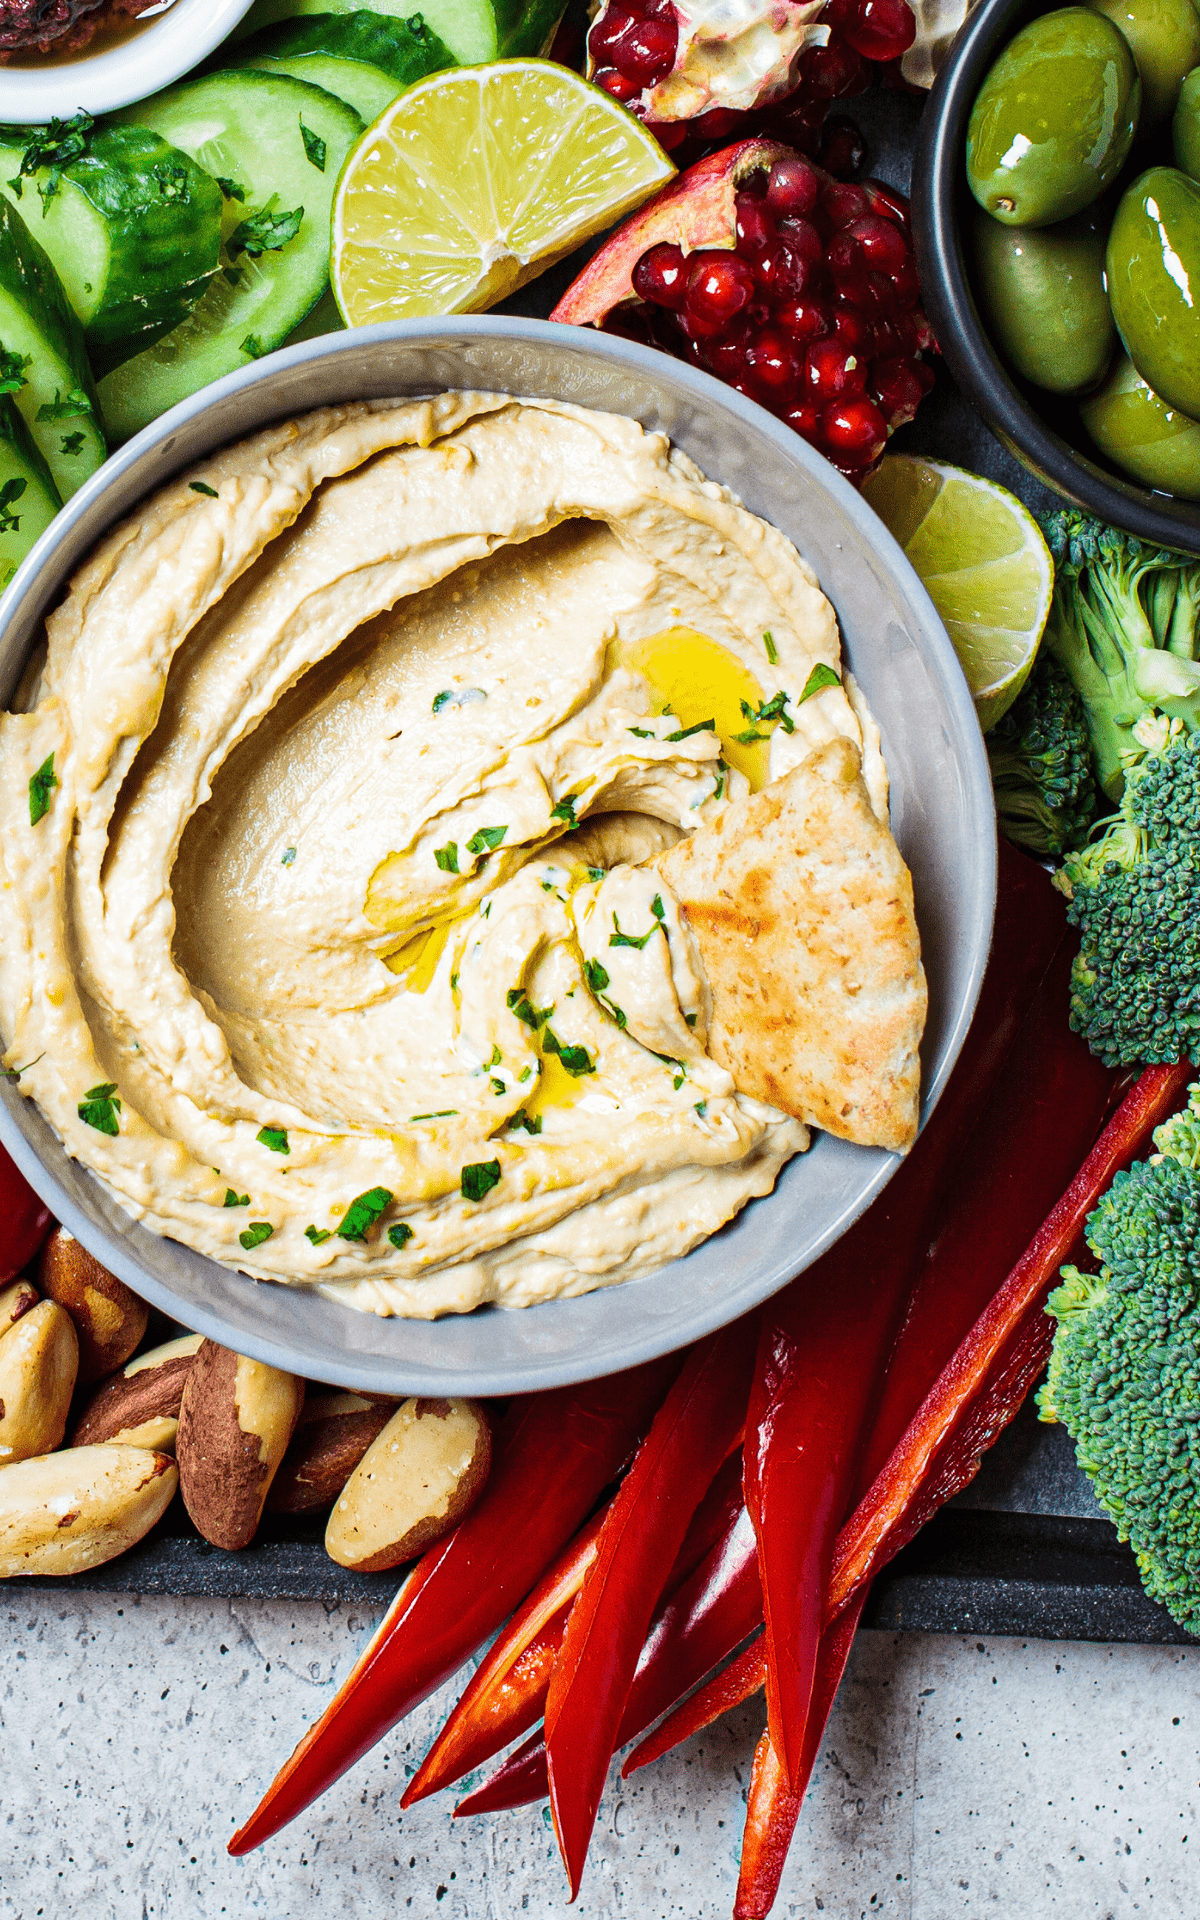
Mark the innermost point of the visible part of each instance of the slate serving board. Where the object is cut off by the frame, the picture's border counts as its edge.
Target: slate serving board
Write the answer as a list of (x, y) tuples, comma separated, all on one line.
[(1025, 1550)]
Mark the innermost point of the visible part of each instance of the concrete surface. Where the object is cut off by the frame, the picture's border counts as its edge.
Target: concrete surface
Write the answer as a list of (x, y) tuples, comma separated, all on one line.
[(958, 1779)]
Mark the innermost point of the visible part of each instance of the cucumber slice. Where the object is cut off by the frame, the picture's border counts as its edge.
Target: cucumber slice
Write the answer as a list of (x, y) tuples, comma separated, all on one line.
[(247, 129), (474, 30), (29, 498), (37, 322), (361, 57), (134, 230)]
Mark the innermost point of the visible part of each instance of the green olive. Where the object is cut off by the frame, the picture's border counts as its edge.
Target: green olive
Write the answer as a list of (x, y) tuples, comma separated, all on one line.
[(1042, 296), (1054, 121), (1164, 38), (1141, 434), (1154, 282), (1185, 127)]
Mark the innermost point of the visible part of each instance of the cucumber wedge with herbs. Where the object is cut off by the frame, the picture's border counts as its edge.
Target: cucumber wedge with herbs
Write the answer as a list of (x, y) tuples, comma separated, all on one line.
[(56, 399), (474, 30), (364, 58), (275, 147), (132, 225), (29, 498)]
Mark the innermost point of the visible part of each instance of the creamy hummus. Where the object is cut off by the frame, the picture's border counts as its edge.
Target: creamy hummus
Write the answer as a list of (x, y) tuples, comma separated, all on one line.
[(324, 941)]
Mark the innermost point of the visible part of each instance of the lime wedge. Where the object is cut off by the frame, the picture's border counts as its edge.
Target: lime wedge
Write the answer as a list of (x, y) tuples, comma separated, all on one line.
[(477, 179), (472, 29), (982, 559)]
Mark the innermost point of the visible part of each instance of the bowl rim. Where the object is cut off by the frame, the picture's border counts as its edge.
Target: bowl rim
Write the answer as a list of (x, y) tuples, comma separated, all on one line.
[(159, 52), (938, 188), (40, 579)]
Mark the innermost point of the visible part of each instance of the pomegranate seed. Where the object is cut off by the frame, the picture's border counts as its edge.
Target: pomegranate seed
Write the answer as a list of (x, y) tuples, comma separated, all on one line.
[(906, 286), (855, 333), (881, 29), (660, 275), (896, 391), (807, 421), (719, 285), (856, 431), (888, 344), (881, 242), (784, 271), (844, 259), (615, 83), (644, 51), (606, 32), (833, 372), (793, 188), (726, 355), (803, 238), (719, 123), (887, 202), (772, 364), (841, 148), (755, 184), (753, 225), (805, 320), (830, 71), (669, 133), (844, 202)]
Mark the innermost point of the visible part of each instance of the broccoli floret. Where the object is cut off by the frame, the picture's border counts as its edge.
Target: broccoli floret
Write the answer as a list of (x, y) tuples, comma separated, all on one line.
[(1134, 894), (1123, 625), (1041, 757), (1124, 1376)]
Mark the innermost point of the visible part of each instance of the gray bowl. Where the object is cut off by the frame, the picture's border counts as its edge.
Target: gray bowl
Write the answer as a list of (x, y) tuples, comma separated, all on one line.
[(942, 816)]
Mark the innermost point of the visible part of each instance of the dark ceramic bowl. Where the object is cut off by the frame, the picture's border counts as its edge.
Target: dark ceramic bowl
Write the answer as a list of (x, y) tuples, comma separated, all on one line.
[(1041, 429)]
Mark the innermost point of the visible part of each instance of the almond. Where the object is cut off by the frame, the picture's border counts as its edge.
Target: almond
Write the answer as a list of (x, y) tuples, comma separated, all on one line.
[(39, 1359), (16, 1299), (235, 1420), (70, 1511), (413, 1484), (139, 1407), (334, 1432), (109, 1317)]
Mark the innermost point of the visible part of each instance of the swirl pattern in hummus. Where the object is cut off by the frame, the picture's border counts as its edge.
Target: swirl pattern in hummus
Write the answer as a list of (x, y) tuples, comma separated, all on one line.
[(331, 950)]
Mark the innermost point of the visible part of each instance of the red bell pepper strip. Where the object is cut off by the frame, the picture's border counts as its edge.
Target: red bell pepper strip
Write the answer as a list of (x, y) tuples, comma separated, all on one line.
[(521, 1779), (727, 1689), (556, 1453), (772, 1810), (507, 1692), (643, 1531)]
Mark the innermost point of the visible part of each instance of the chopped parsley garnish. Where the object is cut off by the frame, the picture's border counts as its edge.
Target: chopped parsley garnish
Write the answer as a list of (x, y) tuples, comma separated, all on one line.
[(75, 403), (576, 1060), (99, 1108), (685, 733), (748, 739), (619, 939), (55, 147), (233, 1199), (12, 368), (360, 1216), (821, 676), (289, 854), (486, 840), (172, 183), (9, 492), (232, 189), (564, 810), (496, 1058), (691, 1018), (265, 231), (255, 1234), (13, 1074), (202, 486), (252, 345), (656, 908), (449, 697), (314, 147), (525, 1074), (642, 733), (702, 1108), (71, 444), (498, 1086), (522, 1119), (318, 1235), (479, 1178), (400, 1234), (444, 699), (772, 709), (772, 649), (273, 1137), (41, 785), (596, 873), (719, 789), (447, 856), (447, 1113), (518, 1002), (596, 976)]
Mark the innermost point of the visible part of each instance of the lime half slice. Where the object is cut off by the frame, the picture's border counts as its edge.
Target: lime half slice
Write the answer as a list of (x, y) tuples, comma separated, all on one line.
[(476, 180), (982, 559)]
